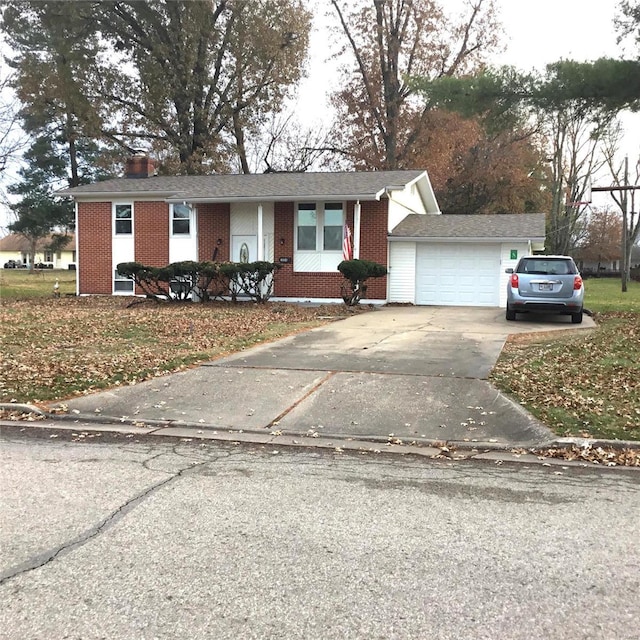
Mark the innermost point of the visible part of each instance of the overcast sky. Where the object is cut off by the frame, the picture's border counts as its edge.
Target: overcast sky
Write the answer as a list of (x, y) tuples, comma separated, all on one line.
[(536, 33)]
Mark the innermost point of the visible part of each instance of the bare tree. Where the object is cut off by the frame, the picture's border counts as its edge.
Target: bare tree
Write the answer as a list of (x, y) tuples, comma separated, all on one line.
[(624, 195), (12, 138), (575, 139), (390, 41), (285, 145)]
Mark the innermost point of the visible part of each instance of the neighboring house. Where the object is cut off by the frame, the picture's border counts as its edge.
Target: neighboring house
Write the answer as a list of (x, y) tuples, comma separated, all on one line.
[(605, 267), (16, 247), (635, 257), (296, 220)]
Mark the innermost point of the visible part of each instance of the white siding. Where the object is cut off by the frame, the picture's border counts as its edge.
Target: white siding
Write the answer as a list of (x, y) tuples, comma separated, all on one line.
[(402, 203), (319, 261), (183, 247), (402, 272), (122, 245), (507, 263), (411, 200)]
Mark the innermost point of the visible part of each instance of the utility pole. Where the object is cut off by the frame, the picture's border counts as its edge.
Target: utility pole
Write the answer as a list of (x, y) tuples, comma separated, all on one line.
[(630, 226)]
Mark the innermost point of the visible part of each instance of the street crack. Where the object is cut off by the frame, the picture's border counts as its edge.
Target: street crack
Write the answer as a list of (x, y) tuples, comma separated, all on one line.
[(44, 558)]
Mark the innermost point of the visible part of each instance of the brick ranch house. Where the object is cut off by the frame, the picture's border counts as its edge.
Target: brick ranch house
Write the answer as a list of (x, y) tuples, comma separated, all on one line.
[(296, 220)]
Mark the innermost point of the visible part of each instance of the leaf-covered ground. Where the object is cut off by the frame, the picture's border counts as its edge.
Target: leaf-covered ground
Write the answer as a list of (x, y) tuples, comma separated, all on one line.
[(582, 383), (59, 348)]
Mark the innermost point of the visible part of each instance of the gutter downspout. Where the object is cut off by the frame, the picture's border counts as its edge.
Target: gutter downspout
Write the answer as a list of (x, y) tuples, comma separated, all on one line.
[(75, 241), (260, 234), (356, 230)]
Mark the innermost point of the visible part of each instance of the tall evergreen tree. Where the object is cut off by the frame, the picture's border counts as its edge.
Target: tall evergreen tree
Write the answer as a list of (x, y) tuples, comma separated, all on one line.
[(38, 211)]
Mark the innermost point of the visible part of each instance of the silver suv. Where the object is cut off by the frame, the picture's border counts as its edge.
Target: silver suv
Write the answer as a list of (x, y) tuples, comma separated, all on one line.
[(545, 284)]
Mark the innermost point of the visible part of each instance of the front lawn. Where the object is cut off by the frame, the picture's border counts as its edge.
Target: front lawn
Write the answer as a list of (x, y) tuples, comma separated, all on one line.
[(55, 348), (18, 284), (582, 383)]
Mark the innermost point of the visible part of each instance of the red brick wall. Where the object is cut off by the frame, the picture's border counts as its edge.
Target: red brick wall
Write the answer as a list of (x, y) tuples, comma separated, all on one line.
[(151, 233), (151, 237), (214, 224), (94, 234), (373, 246), (373, 242)]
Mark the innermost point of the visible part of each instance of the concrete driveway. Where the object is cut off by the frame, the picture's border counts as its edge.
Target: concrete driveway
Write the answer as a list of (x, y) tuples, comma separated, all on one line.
[(419, 373)]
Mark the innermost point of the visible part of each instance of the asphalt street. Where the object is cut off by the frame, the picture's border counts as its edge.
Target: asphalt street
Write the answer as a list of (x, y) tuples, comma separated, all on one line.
[(188, 540)]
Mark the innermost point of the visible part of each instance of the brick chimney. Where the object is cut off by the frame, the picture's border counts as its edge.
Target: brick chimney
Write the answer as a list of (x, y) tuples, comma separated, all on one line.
[(139, 165)]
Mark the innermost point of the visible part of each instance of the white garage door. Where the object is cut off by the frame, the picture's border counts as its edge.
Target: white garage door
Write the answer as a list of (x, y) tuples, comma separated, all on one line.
[(458, 274)]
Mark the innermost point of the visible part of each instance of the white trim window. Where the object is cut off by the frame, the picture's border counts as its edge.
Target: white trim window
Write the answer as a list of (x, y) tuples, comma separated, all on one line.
[(122, 284), (318, 236), (180, 220), (319, 226), (122, 219)]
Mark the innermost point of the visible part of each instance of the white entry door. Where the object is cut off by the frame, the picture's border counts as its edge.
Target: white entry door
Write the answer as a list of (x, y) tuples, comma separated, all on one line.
[(244, 248)]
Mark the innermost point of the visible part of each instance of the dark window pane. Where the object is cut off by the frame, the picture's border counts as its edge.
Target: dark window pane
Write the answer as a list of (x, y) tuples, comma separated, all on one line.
[(123, 211), (333, 238), (123, 285), (181, 227), (306, 238), (123, 227)]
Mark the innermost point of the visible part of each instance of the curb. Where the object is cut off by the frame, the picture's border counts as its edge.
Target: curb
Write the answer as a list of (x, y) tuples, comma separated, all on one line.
[(452, 450), (160, 427)]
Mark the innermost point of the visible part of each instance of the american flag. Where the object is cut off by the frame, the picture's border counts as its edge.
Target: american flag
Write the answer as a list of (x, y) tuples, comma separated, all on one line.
[(347, 250)]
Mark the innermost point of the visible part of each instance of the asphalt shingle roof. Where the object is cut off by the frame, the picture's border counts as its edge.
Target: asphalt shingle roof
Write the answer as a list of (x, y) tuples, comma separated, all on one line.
[(16, 242), (261, 185), (525, 225)]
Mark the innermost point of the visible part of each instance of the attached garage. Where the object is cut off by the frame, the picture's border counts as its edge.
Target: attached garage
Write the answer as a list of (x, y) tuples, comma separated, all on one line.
[(458, 274), (459, 260)]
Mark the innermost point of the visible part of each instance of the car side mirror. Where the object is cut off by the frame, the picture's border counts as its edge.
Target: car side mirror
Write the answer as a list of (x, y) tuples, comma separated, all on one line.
[(509, 270)]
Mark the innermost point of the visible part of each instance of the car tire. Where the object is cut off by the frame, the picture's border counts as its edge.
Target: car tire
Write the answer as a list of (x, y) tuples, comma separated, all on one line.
[(576, 318), (510, 314)]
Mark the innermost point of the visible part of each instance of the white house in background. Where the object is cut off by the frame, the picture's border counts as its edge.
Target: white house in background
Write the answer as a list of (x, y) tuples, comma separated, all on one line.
[(16, 247)]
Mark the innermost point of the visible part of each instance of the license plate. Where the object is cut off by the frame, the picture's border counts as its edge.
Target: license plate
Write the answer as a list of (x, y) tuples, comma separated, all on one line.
[(546, 287)]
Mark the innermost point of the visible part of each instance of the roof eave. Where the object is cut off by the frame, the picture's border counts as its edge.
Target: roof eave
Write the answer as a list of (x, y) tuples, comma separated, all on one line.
[(276, 198), (120, 195), (487, 239)]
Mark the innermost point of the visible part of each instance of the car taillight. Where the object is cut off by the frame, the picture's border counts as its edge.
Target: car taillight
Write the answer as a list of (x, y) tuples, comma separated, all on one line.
[(577, 283), (514, 280)]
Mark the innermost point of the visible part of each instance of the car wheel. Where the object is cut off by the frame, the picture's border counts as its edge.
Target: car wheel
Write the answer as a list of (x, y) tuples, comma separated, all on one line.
[(511, 314), (576, 318)]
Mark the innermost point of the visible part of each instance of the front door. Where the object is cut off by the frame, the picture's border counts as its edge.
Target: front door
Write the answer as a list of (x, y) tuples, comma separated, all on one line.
[(244, 248)]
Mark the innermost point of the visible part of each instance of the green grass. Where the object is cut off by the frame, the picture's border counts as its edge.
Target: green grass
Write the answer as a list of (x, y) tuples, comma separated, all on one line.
[(605, 295), (579, 383), (22, 284)]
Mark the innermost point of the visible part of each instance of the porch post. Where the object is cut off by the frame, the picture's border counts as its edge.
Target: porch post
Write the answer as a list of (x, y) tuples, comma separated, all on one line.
[(356, 230), (260, 234)]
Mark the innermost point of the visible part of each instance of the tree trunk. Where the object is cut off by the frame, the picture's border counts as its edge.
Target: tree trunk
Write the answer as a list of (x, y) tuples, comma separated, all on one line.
[(32, 254)]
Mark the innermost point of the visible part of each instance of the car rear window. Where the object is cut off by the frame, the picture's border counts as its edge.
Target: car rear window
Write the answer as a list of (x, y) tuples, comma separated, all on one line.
[(546, 266)]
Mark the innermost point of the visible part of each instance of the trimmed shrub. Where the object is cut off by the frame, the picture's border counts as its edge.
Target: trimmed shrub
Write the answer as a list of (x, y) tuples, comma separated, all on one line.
[(203, 280), (356, 273)]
